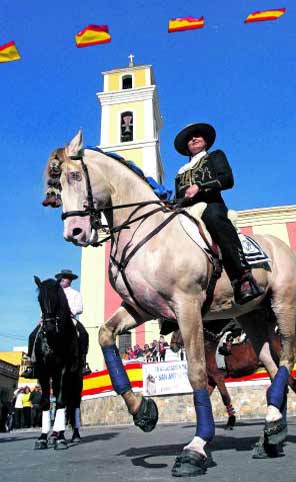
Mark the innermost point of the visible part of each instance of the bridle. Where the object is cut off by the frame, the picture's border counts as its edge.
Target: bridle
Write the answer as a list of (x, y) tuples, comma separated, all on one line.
[(90, 210), (95, 214), (50, 319)]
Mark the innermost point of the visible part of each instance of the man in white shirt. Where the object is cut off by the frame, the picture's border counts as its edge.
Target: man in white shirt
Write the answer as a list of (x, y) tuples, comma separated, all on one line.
[(65, 277)]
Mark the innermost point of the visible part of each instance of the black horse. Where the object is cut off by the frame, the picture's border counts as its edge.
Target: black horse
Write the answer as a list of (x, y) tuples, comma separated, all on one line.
[(57, 359)]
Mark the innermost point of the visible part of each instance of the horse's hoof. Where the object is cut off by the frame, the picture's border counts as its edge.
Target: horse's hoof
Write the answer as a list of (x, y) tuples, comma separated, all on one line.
[(190, 464), (41, 444), (76, 439), (264, 450), (275, 432), (147, 416), (230, 423), (61, 444), (52, 442)]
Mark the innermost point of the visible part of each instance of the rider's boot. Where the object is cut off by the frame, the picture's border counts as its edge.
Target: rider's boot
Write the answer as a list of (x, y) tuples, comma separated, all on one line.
[(246, 288)]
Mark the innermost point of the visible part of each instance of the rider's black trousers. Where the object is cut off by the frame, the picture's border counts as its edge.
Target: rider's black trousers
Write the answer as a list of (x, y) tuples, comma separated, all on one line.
[(224, 234)]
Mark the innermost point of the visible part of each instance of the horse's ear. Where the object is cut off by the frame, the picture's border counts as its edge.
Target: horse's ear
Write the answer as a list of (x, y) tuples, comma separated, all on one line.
[(75, 146), (37, 281)]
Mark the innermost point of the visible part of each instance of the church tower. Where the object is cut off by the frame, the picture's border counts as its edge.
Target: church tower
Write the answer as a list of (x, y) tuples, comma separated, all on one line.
[(131, 121), (130, 126)]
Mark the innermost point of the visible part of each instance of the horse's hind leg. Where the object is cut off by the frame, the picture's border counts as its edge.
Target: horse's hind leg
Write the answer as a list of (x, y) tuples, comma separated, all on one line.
[(227, 402), (60, 384), (144, 410), (283, 305), (73, 404), (259, 331)]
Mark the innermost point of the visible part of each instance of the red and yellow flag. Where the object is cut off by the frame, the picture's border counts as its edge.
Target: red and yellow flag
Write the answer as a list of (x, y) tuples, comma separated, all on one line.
[(93, 35), (265, 15), (9, 52), (185, 23)]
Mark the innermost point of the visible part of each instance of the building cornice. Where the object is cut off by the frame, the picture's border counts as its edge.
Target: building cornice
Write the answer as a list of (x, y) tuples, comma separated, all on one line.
[(129, 145), (127, 95), (127, 69), (140, 145), (263, 216)]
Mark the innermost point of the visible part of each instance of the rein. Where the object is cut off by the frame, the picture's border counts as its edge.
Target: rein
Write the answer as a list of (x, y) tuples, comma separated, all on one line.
[(95, 214), (96, 223)]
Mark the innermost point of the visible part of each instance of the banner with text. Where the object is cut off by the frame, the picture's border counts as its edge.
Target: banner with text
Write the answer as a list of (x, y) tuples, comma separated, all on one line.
[(165, 378)]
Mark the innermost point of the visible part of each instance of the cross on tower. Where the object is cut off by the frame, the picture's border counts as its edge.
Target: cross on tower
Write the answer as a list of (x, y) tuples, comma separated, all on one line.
[(131, 57)]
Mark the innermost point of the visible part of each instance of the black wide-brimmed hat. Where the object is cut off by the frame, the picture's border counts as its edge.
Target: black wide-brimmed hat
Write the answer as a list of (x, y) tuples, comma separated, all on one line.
[(204, 130), (66, 273)]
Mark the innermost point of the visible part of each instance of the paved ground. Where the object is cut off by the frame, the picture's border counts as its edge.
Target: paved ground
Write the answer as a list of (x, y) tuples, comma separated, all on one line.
[(125, 454)]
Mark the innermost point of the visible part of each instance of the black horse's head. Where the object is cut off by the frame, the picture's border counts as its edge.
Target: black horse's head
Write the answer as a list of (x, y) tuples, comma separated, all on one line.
[(52, 299), (56, 315)]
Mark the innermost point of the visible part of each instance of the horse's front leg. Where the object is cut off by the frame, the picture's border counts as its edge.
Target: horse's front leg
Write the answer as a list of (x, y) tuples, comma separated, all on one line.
[(61, 387), (193, 459), (42, 443), (144, 411)]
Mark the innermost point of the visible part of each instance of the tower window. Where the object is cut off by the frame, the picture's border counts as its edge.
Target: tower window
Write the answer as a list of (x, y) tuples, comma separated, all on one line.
[(127, 82), (126, 127)]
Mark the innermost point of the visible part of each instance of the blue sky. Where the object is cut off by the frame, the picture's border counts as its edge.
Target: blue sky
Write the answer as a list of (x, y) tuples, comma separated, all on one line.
[(240, 78)]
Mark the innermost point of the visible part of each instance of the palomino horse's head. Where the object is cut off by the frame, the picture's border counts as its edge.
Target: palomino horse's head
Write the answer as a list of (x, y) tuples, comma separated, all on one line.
[(69, 185)]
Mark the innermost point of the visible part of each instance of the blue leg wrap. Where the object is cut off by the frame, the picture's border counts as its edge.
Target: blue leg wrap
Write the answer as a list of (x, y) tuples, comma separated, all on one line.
[(119, 378), (277, 390), (205, 427), (283, 408)]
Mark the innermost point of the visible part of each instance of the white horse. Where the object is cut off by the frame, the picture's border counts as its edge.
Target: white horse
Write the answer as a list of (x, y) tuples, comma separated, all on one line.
[(160, 272)]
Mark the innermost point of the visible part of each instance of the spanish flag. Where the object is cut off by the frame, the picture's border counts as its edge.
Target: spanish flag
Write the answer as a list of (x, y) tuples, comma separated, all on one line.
[(185, 23), (93, 35), (9, 52), (265, 15)]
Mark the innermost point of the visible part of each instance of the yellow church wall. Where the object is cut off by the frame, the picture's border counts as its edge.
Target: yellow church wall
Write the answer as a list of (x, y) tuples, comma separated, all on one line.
[(140, 78), (278, 230), (114, 115), (93, 296), (135, 155), (114, 82)]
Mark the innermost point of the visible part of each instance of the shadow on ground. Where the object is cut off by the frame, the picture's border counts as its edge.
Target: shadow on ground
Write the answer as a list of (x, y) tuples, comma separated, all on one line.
[(139, 455)]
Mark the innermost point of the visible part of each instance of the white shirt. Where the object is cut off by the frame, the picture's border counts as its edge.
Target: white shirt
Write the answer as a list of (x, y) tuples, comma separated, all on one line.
[(192, 162), (18, 401), (75, 300)]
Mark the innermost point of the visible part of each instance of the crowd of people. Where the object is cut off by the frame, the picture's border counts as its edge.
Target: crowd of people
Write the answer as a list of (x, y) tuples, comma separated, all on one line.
[(153, 352), (24, 410)]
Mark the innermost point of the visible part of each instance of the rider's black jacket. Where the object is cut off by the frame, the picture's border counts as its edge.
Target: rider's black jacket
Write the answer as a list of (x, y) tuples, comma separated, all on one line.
[(212, 173)]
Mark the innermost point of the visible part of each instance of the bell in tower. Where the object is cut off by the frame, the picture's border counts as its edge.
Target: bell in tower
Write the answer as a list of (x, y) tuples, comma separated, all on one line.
[(126, 127)]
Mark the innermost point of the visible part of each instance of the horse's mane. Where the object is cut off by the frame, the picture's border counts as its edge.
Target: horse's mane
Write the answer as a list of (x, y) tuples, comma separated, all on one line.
[(60, 154), (130, 165)]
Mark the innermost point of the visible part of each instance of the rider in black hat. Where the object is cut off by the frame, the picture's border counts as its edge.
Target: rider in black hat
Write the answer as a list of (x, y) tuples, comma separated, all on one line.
[(201, 180)]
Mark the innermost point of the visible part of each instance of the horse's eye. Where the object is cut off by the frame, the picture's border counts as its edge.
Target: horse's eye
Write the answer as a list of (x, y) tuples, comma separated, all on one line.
[(74, 176)]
